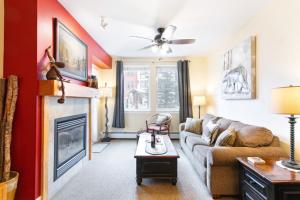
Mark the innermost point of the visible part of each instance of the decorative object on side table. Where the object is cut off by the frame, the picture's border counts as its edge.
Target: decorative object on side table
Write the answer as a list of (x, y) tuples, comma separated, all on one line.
[(106, 92), (8, 99), (286, 100), (199, 101), (267, 181), (72, 51), (239, 71), (54, 73)]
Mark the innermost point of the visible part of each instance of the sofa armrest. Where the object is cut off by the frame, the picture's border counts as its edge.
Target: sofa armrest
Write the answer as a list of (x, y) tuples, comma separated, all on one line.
[(220, 156), (181, 127)]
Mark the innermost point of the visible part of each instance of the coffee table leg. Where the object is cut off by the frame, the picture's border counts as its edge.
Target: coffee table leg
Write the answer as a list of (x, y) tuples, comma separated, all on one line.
[(174, 181), (139, 181)]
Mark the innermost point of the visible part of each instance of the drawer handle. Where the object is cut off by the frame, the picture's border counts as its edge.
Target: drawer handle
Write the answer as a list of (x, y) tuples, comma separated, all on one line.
[(248, 196), (252, 180)]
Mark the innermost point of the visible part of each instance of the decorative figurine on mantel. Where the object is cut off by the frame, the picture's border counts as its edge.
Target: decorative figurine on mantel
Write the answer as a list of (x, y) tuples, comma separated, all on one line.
[(54, 74)]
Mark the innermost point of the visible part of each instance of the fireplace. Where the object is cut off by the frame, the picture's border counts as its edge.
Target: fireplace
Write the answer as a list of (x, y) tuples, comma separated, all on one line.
[(69, 142)]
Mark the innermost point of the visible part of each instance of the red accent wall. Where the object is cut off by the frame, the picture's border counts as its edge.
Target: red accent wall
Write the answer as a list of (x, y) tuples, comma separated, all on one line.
[(28, 32)]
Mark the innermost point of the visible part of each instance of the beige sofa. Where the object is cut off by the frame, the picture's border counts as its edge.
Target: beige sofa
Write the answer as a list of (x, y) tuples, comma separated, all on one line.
[(217, 166)]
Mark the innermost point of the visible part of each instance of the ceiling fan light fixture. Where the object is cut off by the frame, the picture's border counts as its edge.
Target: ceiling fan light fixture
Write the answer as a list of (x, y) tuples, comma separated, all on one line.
[(155, 49)]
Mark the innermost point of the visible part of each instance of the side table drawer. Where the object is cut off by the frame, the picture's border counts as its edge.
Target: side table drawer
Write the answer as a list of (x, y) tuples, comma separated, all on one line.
[(251, 182)]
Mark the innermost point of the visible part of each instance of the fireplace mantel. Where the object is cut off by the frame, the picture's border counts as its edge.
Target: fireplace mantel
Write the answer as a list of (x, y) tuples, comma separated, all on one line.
[(52, 88)]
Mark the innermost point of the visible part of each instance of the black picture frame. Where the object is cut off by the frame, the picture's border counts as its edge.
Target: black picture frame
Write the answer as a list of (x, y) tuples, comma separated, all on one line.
[(72, 51)]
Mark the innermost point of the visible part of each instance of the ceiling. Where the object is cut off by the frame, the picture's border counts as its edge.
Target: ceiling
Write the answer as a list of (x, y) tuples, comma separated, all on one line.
[(207, 21)]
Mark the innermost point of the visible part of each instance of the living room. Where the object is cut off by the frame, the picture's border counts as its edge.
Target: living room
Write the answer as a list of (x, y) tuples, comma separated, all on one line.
[(219, 81)]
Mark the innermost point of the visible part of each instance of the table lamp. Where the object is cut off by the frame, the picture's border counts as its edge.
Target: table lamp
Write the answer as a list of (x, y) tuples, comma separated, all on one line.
[(286, 101), (199, 101), (106, 92)]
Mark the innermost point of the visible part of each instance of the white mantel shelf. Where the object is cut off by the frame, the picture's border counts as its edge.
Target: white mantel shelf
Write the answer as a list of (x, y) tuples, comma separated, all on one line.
[(53, 88)]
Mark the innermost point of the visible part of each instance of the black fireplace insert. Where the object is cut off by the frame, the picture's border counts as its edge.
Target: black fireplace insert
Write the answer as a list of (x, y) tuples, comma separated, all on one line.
[(69, 142)]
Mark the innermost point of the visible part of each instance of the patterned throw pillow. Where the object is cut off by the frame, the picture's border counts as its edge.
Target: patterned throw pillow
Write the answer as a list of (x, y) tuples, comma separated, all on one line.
[(193, 125), (161, 119), (210, 132), (226, 138)]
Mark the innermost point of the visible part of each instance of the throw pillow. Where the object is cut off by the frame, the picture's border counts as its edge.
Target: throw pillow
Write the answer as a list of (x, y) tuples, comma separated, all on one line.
[(210, 132), (193, 125), (226, 138), (161, 119)]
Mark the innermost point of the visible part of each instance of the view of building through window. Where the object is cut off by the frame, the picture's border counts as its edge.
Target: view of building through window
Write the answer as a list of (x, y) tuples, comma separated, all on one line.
[(137, 91), (136, 88), (167, 88)]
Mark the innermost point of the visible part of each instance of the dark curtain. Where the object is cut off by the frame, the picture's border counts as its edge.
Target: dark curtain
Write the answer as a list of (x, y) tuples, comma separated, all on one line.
[(185, 101), (119, 120)]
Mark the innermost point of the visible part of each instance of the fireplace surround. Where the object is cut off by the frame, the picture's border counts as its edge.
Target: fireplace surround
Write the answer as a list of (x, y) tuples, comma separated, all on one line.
[(69, 142)]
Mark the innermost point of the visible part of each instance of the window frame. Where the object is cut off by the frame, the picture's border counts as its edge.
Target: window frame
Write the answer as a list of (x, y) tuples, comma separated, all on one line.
[(141, 66), (162, 65)]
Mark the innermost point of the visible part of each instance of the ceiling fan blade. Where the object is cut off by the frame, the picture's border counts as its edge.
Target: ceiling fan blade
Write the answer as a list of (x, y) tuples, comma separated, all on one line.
[(168, 33), (140, 37), (181, 41), (147, 47)]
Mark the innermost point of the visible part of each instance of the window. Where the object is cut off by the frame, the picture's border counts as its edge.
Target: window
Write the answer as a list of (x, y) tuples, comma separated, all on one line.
[(137, 88), (167, 97)]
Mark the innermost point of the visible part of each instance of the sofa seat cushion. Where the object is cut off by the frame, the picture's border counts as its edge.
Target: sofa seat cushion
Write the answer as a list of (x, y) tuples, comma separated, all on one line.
[(191, 141), (185, 134), (200, 154)]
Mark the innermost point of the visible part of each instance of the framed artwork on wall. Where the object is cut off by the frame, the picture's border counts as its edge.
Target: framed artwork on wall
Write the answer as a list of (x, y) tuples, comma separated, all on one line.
[(72, 51), (239, 71)]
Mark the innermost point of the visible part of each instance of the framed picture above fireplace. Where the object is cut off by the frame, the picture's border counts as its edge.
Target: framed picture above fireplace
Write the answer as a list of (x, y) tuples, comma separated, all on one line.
[(72, 51)]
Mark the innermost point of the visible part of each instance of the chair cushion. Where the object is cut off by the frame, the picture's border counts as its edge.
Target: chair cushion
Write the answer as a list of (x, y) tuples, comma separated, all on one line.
[(161, 119), (191, 141), (156, 128), (193, 125), (226, 138)]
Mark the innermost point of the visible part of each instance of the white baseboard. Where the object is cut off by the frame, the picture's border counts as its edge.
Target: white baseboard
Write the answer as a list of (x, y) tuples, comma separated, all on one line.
[(132, 135)]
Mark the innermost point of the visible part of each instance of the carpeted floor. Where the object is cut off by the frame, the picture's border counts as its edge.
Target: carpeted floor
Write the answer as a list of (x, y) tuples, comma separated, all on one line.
[(111, 176)]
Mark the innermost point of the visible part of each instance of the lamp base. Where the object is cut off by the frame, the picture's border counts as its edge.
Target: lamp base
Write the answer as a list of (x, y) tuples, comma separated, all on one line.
[(290, 164), (106, 139)]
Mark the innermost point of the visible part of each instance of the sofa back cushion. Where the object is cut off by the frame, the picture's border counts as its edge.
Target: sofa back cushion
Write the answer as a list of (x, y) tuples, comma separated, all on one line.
[(226, 138), (224, 124), (193, 125), (253, 136)]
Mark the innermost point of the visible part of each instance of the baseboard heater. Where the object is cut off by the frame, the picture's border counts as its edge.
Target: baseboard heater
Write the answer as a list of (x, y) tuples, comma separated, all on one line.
[(132, 135)]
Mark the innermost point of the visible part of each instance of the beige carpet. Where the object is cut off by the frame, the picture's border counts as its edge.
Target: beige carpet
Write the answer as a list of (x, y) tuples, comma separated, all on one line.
[(111, 176)]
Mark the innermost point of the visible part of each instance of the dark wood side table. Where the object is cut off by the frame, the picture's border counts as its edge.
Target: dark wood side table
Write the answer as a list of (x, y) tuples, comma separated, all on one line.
[(268, 181)]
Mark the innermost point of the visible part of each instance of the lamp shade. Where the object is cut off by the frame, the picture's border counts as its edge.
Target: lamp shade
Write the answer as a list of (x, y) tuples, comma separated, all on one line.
[(199, 100), (105, 91), (286, 100)]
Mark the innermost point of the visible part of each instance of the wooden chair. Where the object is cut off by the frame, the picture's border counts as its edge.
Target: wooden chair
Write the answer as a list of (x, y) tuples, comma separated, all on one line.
[(160, 122)]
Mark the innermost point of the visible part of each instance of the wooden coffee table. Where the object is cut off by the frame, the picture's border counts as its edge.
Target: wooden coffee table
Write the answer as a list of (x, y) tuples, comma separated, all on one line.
[(155, 166)]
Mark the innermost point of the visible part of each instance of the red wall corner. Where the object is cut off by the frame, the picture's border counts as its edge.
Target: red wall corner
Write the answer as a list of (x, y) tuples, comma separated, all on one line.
[(28, 32)]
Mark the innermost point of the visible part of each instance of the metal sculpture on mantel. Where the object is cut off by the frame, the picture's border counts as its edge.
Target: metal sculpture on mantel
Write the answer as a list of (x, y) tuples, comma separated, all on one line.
[(54, 74)]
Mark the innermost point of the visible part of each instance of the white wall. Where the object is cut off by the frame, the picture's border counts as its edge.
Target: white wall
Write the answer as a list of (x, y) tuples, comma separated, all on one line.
[(136, 120), (1, 36), (278, 64)]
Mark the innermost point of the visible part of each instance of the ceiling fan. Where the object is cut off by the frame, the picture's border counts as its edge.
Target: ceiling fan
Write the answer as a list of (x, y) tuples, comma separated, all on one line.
[(163, 40)]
